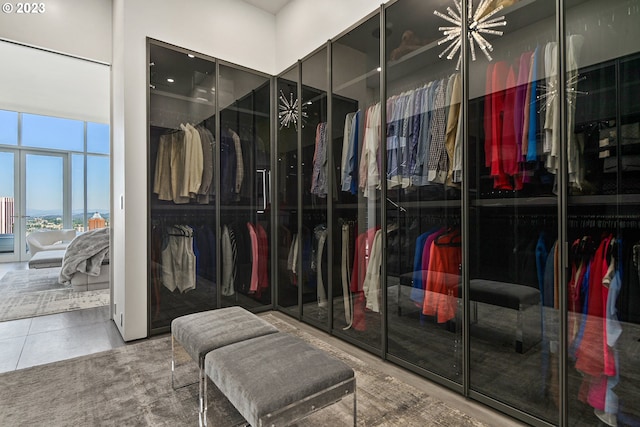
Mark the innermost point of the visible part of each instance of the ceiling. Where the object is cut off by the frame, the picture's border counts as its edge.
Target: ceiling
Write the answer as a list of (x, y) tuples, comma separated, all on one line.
[(271, 6)]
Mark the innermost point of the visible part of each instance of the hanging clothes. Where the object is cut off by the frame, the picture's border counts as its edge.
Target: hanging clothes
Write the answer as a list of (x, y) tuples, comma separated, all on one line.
[(263, 257), (441, 289), (421, 263), (369, 170), (229, 257), (207, 181), (239, 175), (178, 259), (345, 271), (349, 179), (319, 177), (320, 238), (371, 284), (363, 247), (593, 357)]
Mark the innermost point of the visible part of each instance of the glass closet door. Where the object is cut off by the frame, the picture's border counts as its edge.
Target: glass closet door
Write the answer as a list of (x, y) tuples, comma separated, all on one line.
[(182, 227), (514, 165), (245, 133), (423, 150), (317, 188), (286, 190), (603, 289), (357, 239)]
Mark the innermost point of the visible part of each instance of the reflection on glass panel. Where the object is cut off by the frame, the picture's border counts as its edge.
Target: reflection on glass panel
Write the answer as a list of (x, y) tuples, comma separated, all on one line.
[(313, 275), (8, 127), (77, 192), (7, 203), (182, 228), (514, 143), (52, 132), (603, 81), (97, 138), (287, 190), (244, 187), (424, 175), (44, 192), (357, 239), (97, 192)]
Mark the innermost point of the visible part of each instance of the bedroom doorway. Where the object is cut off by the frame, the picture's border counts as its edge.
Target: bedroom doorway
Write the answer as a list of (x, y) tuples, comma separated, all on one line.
[(54, 175)]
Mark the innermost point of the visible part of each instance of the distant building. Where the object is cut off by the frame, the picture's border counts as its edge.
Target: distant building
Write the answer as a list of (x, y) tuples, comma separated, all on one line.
[(6, 215), (96, 221)]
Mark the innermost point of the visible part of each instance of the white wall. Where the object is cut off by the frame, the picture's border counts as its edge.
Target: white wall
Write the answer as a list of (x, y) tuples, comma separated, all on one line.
[(77, 27), (304, 25), (118, 225), (228, 29)]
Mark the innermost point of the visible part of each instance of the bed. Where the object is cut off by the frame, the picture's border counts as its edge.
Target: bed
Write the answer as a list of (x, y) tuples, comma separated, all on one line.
[(85, 265)]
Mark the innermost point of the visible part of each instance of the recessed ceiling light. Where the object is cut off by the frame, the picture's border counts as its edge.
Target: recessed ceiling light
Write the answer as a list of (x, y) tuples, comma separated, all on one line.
[(170, 80), (190, 56)]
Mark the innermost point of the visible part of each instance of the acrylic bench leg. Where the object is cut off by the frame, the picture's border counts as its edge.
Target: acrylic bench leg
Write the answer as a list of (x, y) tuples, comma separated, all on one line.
[(203, 408), (355, 407), (173, 362), (520, 330)]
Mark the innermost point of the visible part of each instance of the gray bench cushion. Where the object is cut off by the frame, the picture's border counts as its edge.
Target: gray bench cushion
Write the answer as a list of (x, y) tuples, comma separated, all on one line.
[(47, 259), (264, 374), (200, 333), (508, 295)]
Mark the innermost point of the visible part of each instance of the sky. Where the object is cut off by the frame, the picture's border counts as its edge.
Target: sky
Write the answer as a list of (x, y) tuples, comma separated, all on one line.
[(44, 173)]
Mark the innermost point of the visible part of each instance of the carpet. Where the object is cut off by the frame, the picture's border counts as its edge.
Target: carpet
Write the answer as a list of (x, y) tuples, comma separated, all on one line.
[(36, 292), (131, 386)]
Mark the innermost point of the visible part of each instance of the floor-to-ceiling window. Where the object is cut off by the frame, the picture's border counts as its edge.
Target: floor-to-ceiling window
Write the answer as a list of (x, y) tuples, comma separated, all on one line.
[(55, 175)]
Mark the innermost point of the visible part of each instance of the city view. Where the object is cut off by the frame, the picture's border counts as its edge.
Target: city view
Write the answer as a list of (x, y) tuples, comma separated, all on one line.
[(53, 160), (44, 221)]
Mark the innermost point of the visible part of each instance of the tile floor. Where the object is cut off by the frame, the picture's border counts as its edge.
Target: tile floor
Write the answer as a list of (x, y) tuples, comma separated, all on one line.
[(55, 337)]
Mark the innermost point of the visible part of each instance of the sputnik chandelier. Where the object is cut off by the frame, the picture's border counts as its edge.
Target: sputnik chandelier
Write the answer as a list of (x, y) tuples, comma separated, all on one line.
[(479, 22), (288, 111)]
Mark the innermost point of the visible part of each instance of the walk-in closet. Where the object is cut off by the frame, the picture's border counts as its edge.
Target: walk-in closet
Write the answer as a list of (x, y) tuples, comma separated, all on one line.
[(458, 196)]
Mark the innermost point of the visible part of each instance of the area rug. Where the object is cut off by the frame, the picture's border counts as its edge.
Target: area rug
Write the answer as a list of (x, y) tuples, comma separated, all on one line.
[(36, 292), (131, 386)]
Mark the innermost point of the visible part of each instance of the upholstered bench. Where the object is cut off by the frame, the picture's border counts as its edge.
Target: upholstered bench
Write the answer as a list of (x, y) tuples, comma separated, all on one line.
[(199, 333), (521, 298), (276, 379), (47, 259)]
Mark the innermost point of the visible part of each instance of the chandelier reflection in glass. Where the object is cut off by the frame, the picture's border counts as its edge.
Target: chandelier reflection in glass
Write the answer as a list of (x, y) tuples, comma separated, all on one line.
[(288, 111), (480, 22), (549, 91)]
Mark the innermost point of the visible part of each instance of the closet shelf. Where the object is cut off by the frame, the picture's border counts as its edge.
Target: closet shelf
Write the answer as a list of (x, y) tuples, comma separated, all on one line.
[(428, 204), (234, 208), (609, 199), (613, 200), (186, 208), (511, 202), (180, 97)]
